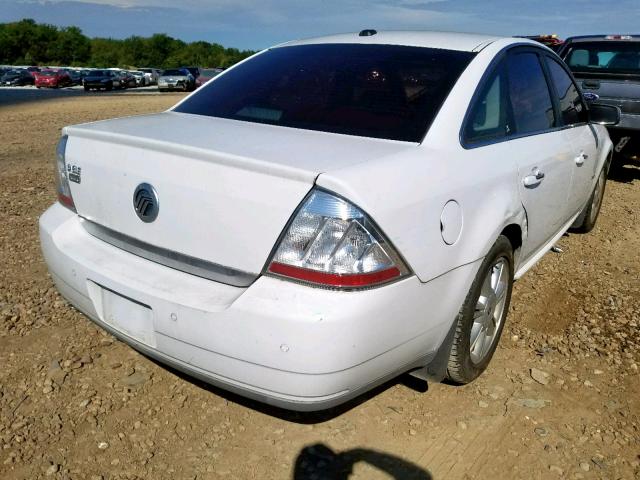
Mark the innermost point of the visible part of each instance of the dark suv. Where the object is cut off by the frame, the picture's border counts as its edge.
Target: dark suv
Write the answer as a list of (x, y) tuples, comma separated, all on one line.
[(607, 68)]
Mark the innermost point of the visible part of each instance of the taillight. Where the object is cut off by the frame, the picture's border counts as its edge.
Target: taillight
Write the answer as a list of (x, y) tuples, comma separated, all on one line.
[(331, 242), (62, 179)]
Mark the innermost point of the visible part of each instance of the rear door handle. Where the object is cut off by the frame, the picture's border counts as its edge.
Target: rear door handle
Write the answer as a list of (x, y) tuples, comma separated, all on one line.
[(581, 158), (534, 179)]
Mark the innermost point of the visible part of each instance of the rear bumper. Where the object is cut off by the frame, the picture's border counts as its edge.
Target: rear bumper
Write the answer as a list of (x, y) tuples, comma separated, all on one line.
[(281, 343)]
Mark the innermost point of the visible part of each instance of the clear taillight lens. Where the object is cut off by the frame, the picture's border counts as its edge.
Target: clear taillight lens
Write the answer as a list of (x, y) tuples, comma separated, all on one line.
[(62, 180), (332, 242)]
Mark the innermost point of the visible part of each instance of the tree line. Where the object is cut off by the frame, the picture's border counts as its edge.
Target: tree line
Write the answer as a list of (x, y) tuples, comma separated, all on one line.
[(29, 43)]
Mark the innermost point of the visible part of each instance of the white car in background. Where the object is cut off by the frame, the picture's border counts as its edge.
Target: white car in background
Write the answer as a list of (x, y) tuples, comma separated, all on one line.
[(331, 212)]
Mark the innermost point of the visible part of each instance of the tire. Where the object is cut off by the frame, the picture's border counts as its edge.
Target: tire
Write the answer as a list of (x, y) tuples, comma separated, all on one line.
[(587, 219), (109, 87), (86, 89), (466, 363)]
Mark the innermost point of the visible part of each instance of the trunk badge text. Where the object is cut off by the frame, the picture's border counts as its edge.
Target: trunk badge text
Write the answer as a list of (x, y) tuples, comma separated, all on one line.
[(145, 202), (73, 173)]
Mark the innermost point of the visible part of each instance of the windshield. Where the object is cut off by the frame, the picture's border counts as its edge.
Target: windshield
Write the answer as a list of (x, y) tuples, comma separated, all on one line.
[(606, 57), (174, 73), (99, 73), (383, 91)]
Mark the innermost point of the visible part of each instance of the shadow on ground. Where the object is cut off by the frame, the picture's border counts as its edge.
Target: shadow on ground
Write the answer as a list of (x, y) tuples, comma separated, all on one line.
[(625, 169), (319, 462)]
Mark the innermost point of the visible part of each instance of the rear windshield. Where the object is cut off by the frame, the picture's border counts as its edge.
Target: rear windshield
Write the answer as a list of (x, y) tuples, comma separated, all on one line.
[(382, 91), (174, 72), (607, 57)]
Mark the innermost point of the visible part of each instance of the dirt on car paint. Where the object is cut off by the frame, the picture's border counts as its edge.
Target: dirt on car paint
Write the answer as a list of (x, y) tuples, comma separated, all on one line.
[(561, 398)]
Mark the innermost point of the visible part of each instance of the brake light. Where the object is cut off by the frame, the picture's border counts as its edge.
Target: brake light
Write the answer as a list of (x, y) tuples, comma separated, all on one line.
[(62, 179), (331, 242), (618, 37)]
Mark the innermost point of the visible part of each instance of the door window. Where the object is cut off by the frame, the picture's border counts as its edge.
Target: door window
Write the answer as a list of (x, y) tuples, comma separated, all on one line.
[(529, 94), (488, 116), (572, 110)]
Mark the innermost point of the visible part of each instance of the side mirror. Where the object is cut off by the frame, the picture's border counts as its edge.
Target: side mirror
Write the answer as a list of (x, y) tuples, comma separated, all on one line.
[(604, 114)]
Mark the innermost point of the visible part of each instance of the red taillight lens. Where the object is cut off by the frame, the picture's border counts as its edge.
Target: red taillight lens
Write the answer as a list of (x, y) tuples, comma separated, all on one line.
[(335, 279), (331, 242)]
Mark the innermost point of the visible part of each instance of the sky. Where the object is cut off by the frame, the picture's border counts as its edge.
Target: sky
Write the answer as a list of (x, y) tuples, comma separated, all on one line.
[(257, 24)]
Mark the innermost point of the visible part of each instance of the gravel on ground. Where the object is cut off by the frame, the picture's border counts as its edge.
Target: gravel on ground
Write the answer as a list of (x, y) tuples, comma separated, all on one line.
[(561, 398)]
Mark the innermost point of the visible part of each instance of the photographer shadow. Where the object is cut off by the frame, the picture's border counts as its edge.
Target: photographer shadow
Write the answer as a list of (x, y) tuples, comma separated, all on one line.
[(319, 462)]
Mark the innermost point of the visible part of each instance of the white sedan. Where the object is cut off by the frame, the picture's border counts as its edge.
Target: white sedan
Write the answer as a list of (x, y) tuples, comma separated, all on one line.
[(329, 213)]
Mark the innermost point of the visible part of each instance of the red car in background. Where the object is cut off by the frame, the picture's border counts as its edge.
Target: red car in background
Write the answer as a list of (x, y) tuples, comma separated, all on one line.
[(52, 79), (207, 74)]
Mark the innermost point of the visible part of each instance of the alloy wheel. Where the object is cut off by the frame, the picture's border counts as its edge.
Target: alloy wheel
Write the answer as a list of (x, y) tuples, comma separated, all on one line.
[(489, 311)]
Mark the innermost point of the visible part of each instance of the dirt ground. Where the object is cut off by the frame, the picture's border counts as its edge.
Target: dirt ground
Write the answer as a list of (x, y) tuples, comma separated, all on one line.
[(561, 398)]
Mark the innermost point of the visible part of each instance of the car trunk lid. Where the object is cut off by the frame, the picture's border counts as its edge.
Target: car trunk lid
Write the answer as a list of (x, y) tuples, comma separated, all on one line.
[(225, 188)]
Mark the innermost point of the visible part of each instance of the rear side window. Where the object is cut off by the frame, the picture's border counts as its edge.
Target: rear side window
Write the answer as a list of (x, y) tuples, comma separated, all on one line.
[(529, 94), (383, 91), (572, 109), (488, 116)]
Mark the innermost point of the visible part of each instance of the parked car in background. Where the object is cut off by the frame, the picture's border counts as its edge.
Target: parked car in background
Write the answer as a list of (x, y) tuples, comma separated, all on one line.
[(102, 80), (151, 74), (608, 70), (139, 77), (195, 71), (33, 70), (552, 41), (74, 75), (176, 79), (53, 79), (127, 80), (207, 74), (16, 77), (312, 245)]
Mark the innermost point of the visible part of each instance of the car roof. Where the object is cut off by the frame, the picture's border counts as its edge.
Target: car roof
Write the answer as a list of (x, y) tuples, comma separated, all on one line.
[(469, 42), (605, 38)]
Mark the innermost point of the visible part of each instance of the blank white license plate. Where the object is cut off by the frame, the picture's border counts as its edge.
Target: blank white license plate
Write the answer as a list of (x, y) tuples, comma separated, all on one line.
[(127, 316)]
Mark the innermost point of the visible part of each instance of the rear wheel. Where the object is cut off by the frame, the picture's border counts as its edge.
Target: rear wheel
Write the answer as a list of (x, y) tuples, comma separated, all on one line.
[(589, 215), (481, 319)]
